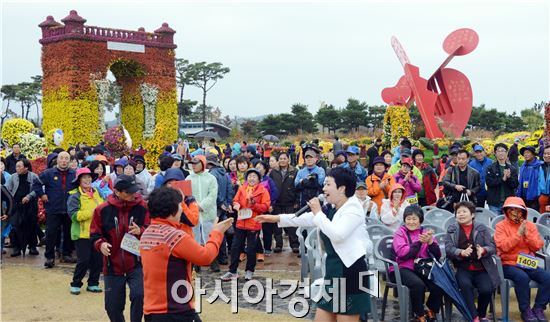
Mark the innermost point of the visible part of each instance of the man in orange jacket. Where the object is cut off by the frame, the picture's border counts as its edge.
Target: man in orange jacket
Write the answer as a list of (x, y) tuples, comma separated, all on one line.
[(515, 237), (167, 253)]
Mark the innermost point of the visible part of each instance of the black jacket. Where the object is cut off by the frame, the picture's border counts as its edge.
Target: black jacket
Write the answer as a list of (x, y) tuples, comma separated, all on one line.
[(285, 185), (452, 178), (11, 161), (372, 153), (493, 179), (513, 153)]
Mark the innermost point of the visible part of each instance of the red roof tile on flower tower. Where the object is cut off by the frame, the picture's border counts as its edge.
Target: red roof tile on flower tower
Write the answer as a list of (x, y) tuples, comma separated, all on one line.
[(167, 33), (49, 22)]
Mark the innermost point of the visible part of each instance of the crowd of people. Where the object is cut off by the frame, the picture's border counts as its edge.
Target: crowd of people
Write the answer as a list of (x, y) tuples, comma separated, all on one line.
[(242, 198)]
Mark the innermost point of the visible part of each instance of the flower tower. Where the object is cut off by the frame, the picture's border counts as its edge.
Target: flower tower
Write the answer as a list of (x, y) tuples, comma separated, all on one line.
[(75, 62), (397, 121)]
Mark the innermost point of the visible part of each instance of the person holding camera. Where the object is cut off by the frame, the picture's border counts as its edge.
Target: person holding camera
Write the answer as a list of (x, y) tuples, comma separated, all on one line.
[(310, 179), (501, 179)]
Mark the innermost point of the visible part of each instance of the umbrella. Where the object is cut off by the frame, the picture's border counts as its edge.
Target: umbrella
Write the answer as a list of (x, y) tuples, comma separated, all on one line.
[(443, 276), (206, 135), (270, 138)]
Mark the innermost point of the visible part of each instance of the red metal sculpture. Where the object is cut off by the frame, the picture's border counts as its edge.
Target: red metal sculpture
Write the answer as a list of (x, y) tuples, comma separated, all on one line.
[(444, 98)]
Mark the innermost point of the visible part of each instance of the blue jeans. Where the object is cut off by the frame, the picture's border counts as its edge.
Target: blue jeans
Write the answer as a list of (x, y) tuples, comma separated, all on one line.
[(521, 278), (496, 210)]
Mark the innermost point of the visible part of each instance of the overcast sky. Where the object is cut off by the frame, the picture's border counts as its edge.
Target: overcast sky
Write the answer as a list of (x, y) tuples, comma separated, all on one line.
[(284, 52)]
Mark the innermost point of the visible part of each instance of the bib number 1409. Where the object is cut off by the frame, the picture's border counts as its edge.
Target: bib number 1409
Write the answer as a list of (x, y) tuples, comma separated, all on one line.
[(527, 261)]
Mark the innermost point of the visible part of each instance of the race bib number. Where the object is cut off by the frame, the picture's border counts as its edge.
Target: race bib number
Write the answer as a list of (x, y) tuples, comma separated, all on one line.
[(130, 243), (412, 200), (527, 261), (525, 184), (244, 213)]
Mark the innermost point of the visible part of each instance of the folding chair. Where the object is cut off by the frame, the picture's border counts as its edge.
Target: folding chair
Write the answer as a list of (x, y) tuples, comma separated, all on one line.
[(449, 222), (506, 284), (437, 217), (496, 220), (544, 234), (532, 215), (544, 219), (314, 256), (376, 232), (383, 251), (436, 229), (304, 263), (373, 221), (428, 208), (484, 216)]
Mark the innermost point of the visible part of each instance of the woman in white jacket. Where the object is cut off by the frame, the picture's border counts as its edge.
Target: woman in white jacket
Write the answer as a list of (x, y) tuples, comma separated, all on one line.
[(391, 212), (344, 239)]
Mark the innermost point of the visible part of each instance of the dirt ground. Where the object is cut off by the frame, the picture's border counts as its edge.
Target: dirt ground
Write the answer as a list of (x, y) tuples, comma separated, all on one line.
[(28, 296)]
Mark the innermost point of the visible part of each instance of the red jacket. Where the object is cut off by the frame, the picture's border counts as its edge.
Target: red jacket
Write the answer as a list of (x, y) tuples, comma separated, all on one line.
[(103, 229), (258, 201)]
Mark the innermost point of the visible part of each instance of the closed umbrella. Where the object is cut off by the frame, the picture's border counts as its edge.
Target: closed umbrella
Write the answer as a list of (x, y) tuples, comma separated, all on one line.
[(443, 276), (270, 138)]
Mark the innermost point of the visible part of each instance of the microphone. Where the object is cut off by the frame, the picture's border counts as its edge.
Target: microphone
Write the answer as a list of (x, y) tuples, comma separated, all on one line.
[(306, 208)]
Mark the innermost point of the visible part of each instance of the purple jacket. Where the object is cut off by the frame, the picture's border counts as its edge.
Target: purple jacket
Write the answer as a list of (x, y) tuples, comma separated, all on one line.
[(411, 187), (406, 252)]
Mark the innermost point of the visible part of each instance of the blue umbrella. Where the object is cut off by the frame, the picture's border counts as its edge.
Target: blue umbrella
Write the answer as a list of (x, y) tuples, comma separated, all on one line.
[(443, 276)]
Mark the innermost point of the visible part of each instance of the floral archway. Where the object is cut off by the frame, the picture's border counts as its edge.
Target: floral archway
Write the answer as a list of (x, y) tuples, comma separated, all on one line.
[(75, 62)]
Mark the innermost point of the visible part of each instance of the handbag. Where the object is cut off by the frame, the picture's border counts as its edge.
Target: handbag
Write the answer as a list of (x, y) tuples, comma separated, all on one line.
[(423, 266), (464, 197), (445, 202)]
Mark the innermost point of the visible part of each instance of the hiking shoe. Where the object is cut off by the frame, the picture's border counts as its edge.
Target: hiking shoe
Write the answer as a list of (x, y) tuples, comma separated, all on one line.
[(229, 276), (277, 249), (267, 253), (260, 257), (539, 313), (248, 275), (50, 263), (242, 257), (75, 290), (33, 251), (94, 289), (529, 316)]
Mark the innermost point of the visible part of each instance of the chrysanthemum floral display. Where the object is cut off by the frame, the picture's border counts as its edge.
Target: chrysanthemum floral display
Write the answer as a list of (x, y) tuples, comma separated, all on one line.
[(397, 123), (32, 146), (115, 141), (12, 130), (75, 62), (149, 96)]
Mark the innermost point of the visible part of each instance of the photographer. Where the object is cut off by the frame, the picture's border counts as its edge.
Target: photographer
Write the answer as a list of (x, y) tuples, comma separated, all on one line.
[(309, 180)]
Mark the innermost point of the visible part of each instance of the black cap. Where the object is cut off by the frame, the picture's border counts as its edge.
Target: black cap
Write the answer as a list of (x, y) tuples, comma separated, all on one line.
[(126, 183), (528, 148)]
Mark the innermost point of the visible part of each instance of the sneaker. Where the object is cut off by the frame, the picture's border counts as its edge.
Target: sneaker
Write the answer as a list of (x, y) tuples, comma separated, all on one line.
[(214, 267), (94, 289), (229, 276), (539, 313), (267, 253), (248, 275), (277, 249), (529, 316), (75, 290), (33, 251), (242, 257), (260, 257), (50, 263)]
